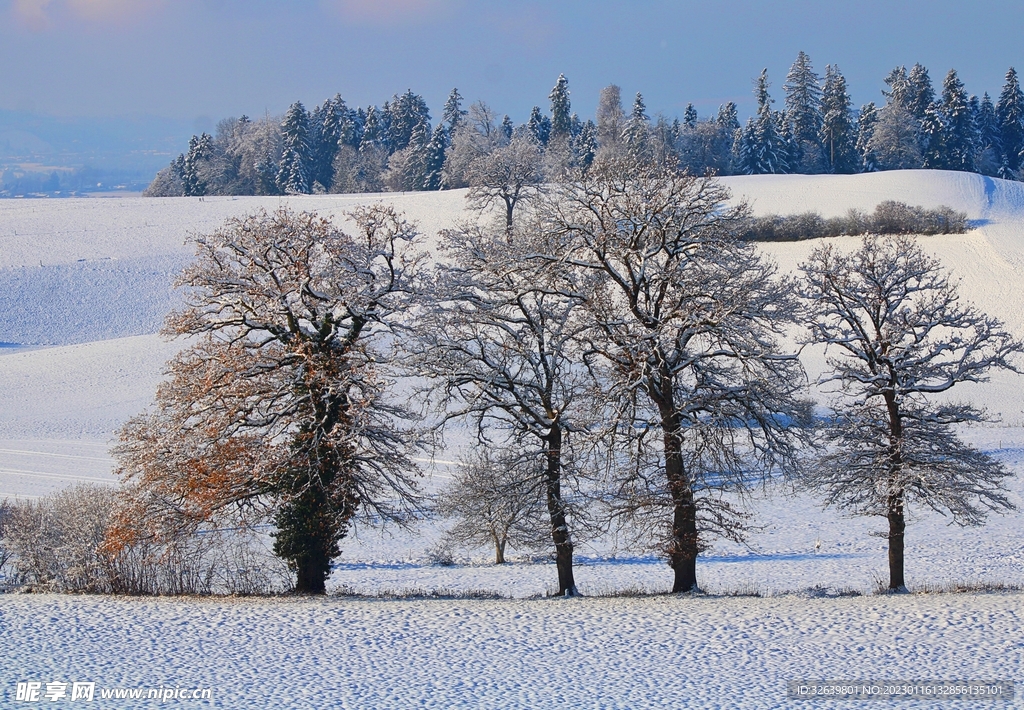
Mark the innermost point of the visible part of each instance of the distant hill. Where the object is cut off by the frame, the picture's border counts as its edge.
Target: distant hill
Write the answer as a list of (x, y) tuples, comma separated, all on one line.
[(57, 156)]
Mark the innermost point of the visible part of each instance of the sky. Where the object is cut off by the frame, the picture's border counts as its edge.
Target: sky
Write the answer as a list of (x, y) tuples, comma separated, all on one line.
[(197, 61)]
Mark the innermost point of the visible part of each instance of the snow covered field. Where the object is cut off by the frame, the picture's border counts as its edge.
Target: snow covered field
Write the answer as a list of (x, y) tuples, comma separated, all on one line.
[(655, 652), (84, 285)]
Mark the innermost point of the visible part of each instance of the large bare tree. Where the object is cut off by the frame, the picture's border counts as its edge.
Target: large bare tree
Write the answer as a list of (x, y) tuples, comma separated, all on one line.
[(279, 402), (902, 336), (683, 320), (500, 343)]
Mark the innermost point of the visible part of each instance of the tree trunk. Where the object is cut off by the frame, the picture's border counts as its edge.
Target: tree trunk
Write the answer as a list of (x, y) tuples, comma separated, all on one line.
[(310, 577), (499, 552), (509, 207), (683, 548), (556, 510), (896, 499), (897, 526)]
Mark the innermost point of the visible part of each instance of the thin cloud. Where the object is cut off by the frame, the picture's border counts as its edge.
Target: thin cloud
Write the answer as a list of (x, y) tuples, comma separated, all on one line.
[(32, 13), (388, 12), (38, 15)]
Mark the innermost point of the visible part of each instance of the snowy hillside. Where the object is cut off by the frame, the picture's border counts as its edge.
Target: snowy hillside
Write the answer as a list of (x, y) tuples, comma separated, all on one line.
[(84, 285)]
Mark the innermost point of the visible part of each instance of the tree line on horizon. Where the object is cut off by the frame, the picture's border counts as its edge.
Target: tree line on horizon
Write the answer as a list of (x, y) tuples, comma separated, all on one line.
[(395, 147)]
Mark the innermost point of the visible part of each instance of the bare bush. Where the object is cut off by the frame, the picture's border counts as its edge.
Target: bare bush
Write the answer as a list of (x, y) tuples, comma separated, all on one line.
[(55, 540), (7, 571), (889, 217), (56, 544), (230, 560)]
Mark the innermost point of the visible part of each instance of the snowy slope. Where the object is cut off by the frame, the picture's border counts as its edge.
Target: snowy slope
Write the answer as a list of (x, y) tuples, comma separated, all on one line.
[(91, 279), (60, 405)]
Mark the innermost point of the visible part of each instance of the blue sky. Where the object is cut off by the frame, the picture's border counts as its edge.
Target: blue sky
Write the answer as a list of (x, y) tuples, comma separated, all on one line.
[(201, 60)]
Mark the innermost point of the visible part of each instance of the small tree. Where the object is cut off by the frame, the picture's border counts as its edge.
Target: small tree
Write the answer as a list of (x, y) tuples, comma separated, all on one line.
[(278, 406), (496, 499), (903, 337), (509, 175)]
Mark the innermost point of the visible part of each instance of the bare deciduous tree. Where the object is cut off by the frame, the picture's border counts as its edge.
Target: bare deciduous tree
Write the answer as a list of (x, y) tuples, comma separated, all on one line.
[(684, 324), (903, 336), (895, 141), (279, 404), (500, 342), (477, 135), (509, 175), (611, 121), (496, 499)]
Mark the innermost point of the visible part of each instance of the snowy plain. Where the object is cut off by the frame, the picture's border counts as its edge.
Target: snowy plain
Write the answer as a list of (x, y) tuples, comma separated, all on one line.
[(84, 285)]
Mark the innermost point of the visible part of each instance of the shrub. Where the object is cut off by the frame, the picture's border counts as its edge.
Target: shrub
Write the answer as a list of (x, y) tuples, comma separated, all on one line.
[(57, 544), (889, 217), (54, 542)]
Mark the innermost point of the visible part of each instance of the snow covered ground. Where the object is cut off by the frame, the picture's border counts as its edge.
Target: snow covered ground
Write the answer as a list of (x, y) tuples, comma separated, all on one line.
[(84, 285), (654, 652)]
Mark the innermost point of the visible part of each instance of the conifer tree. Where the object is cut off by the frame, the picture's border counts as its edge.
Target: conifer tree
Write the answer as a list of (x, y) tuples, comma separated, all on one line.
[(804, 112), (837, 130), (561, 123), (637, 132), (539, 126), (865, 131), (899, 88), (374, 134), (728, 117), (960, 138), (1010, 113), (933, 138), (763, 148), (193, 181), (434, 161), (920, 94), (355, 127), (990, 146), (452, 114), (407, 168), (585, 145), (406, 112), (326, 127), (293, 174), (690, 116)]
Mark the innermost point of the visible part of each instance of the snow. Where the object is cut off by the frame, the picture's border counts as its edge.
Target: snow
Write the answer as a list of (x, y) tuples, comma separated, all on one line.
[(650, 652), (84, 285)]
